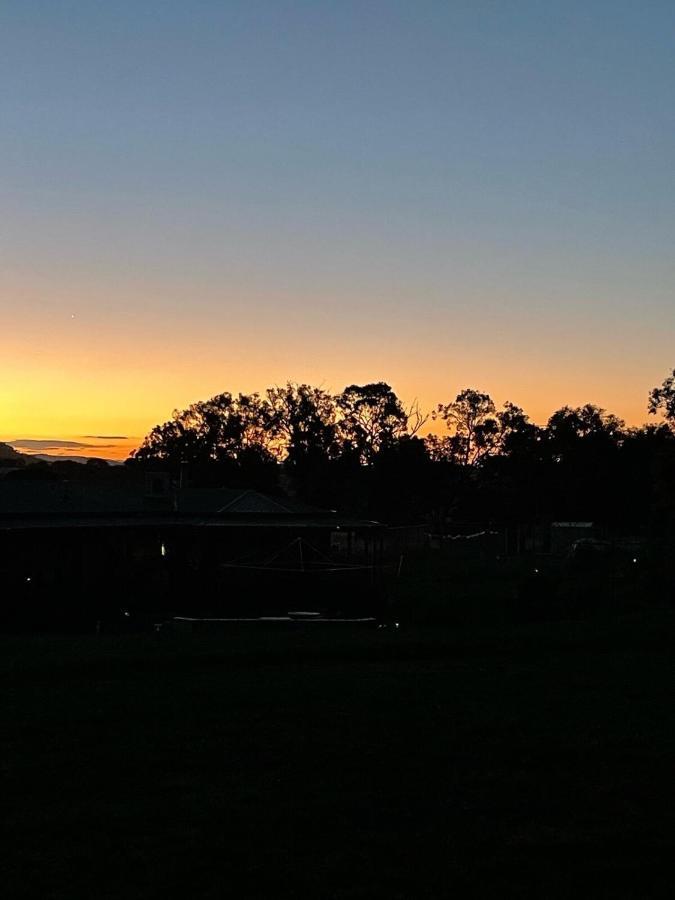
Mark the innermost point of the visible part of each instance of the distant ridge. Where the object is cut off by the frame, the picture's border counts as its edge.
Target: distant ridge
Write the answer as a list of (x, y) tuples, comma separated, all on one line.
[(9, 453), (46, 457)]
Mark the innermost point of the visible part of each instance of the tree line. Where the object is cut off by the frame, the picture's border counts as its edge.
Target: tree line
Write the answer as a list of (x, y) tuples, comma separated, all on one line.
[(361, 450)]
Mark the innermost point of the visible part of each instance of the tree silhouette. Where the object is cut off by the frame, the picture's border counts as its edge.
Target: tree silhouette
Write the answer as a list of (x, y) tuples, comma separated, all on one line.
[(567, 427), (662, 399), (304, 421), (357, 451), (471, 419), (373, 419), (583, 445), (517, 436), (224, 428)]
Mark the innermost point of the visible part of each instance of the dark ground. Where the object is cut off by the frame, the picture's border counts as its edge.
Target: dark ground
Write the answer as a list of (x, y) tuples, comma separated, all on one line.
[(533, 762)]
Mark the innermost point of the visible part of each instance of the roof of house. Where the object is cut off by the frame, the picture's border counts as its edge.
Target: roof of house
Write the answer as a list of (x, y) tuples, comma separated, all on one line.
[(75, 504)]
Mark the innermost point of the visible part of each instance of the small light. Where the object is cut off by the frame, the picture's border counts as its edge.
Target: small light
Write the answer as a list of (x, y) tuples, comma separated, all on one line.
[(635, 560), (162, 549), (536, 571), (28, 579)]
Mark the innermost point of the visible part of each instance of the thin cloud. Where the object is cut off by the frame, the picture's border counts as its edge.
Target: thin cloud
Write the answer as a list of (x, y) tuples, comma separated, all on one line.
[(34, 446), (54, 443), (106, 437)]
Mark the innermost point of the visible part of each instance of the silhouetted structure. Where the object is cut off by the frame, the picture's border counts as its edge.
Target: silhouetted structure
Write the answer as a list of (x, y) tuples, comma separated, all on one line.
[(196, 519), (77, 554)]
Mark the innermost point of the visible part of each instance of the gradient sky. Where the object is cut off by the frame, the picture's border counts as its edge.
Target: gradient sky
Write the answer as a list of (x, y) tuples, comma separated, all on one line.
[(208, 196)]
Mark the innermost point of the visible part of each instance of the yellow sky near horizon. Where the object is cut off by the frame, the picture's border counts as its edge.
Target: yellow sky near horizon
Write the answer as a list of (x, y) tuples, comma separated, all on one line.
[(99, 413), (88, 361)]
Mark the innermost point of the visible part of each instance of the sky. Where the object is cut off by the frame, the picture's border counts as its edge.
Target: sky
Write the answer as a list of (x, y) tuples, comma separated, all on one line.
[(205, 196)]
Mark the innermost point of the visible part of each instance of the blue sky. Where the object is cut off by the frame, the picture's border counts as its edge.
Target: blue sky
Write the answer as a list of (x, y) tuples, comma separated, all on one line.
[(434, 193)]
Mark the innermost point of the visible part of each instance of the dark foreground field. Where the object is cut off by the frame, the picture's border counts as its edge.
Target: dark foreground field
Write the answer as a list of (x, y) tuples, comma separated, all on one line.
[(534, 762)]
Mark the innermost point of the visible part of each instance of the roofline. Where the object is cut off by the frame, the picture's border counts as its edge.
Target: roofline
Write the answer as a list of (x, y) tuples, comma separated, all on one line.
[(23, 523), (248, 491)]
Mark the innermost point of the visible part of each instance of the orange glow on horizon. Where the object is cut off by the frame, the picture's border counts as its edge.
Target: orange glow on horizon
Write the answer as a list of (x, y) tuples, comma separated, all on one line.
[(113, 369)]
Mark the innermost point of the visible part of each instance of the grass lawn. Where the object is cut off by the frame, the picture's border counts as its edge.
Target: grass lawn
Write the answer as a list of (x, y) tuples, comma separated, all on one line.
[(537, 761)]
